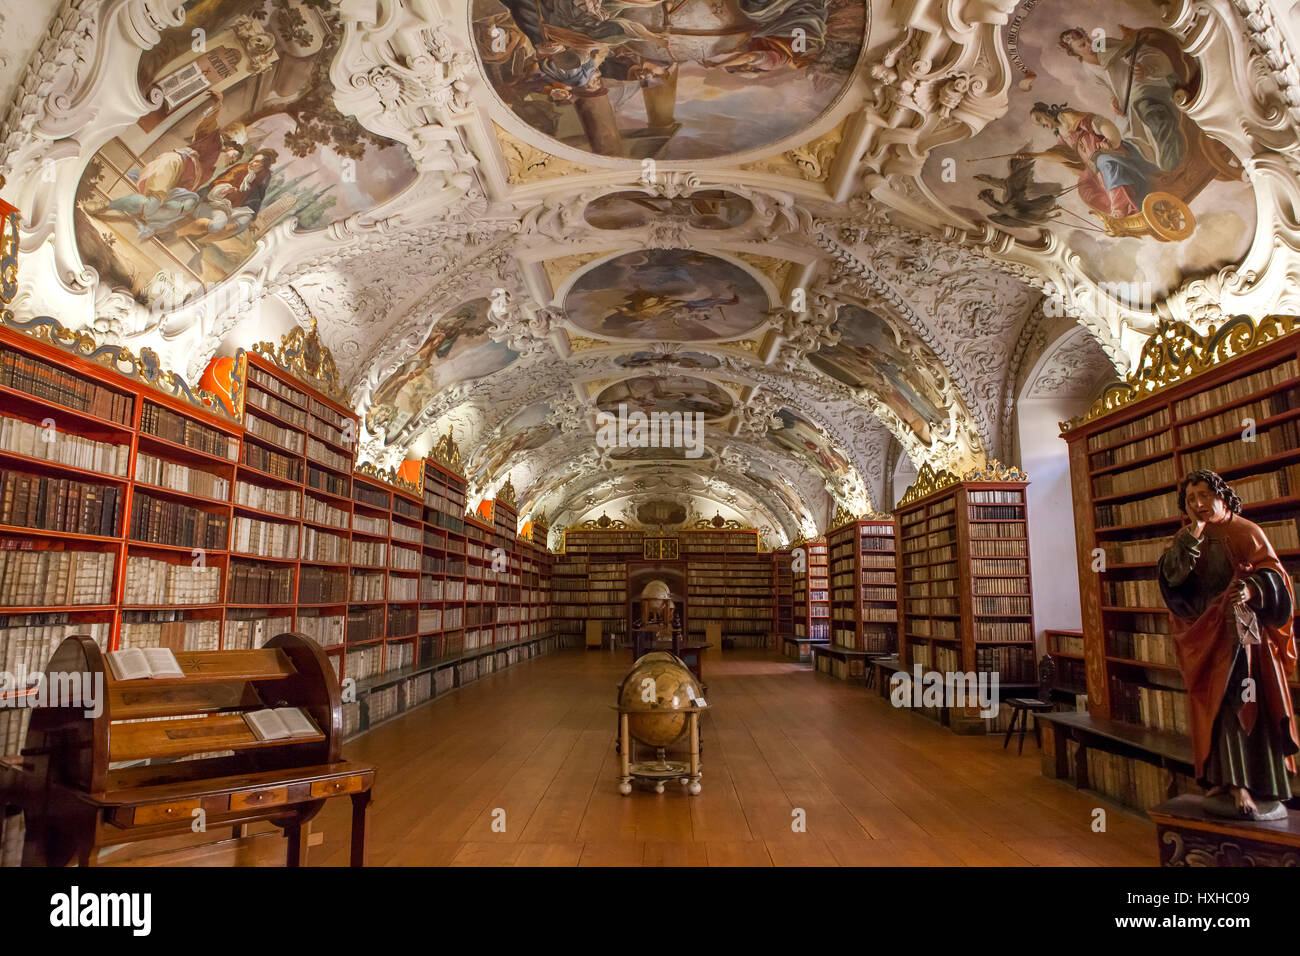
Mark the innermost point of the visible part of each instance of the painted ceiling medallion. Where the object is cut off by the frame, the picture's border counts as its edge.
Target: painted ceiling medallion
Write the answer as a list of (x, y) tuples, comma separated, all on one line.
[(712, 209), (668, 394), (677, 295), (668, 79)]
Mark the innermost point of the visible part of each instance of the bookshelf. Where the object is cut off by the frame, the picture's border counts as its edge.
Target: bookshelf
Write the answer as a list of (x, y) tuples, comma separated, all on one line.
[(863, 596), (810, 589), (783, 587), (217, 522), (729, 585), (963, 570), (1126, 457)]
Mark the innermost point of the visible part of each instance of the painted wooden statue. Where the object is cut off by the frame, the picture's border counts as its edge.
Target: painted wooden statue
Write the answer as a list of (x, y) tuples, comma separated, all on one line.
[(1232, 603)]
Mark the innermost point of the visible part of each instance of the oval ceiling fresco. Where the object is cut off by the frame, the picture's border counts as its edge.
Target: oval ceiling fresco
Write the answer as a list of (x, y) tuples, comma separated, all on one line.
[(1095, 148), (246, 135), (703, 209), (668, 79), (670, 394), (674, 295)]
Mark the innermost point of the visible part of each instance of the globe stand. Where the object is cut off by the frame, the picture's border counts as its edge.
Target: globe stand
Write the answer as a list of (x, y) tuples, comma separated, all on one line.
[(661, 769)]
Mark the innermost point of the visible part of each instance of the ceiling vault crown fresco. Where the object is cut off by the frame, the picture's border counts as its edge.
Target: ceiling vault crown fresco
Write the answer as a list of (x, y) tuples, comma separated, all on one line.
[(834, 232)]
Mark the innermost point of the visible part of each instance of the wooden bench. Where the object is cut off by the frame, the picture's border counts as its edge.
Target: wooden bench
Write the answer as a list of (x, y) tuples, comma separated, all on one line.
[(1172, 752), (855, 662), (77, 797), (800, 648)]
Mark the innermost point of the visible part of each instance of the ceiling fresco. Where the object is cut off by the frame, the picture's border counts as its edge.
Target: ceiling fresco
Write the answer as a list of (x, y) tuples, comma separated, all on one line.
[(847, 233), (667, 79)]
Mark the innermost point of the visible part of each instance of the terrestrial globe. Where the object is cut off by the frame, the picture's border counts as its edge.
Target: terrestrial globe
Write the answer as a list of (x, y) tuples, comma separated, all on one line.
[(657, 695)]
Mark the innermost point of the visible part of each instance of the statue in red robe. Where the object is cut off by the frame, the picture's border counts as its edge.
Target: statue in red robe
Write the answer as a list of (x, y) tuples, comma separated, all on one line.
[(1232, 604)]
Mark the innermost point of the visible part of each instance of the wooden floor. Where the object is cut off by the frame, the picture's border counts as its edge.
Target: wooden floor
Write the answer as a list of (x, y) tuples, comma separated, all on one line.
[(878, 786)]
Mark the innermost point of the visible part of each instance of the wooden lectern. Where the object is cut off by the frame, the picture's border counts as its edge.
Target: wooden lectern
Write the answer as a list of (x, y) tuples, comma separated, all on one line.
[(78, 800)]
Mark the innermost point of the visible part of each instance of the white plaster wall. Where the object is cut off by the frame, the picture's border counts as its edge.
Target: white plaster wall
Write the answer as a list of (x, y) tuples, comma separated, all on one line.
[(1053, 561)]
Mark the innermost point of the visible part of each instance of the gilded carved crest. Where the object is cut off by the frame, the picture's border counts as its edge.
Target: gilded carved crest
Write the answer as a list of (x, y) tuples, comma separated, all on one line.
[(446, 452), (1176, 352), (301, 354)]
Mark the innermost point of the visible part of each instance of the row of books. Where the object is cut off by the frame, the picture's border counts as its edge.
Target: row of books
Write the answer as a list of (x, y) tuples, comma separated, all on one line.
[(998, 566), (1122, 433), (995, 497), (327, 482), (1132, 782), (1141, 511), (1158, 444), (368, 495), (31, 376), (1002, 605), (323, 547), (1012, 664), (59, 504), (364, 624), (934, 627), (1135, 479), (1065, 643), (27, 641), (267, 539), (1242, 417), (321, 512), (998, 548), (150, 581), (271, 462), (1277, 439), (63, 447), (179, 635), (996, 512), (1000, 585), (276, 406), (367, 587), (327, 630), (247, 629), (322, 585), (1000, 529), (1237, 389), (280, 501), (370, 525), (176, 477), (160, 521), (322, 454), (1159, 708), (1152, 648), (267, 382), (258, 584), (56, 578), (1133, 592), (179, 430), (1000, 631), (286, 439)]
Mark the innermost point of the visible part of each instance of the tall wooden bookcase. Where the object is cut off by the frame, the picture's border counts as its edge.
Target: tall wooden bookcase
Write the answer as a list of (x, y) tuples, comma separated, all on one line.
[(783, 585), (811, 600), (963, 568), (1186, 409), (215, 519), (863, 596)]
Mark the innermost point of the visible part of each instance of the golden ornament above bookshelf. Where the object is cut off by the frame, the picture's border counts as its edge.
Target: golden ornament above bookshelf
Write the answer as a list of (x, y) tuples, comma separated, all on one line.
[(301, 354), (506, 495), (389, 476), (604, 523), (928, 481), (994, 470), (1176, 352), (145, 367), (446, 452), (719, 523)]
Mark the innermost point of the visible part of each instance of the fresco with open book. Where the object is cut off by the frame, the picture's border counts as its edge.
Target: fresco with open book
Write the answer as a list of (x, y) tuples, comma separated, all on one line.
[(246, 136)]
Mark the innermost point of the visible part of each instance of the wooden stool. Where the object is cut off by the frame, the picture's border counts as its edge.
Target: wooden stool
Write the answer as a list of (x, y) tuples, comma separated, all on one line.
[(1021, 707)]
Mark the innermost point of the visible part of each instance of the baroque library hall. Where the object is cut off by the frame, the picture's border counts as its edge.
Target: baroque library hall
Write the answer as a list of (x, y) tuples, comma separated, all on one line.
[(434, 432)]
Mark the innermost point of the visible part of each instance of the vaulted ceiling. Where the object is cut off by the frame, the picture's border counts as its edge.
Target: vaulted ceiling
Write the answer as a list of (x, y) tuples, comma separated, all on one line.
[(840, 230)]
